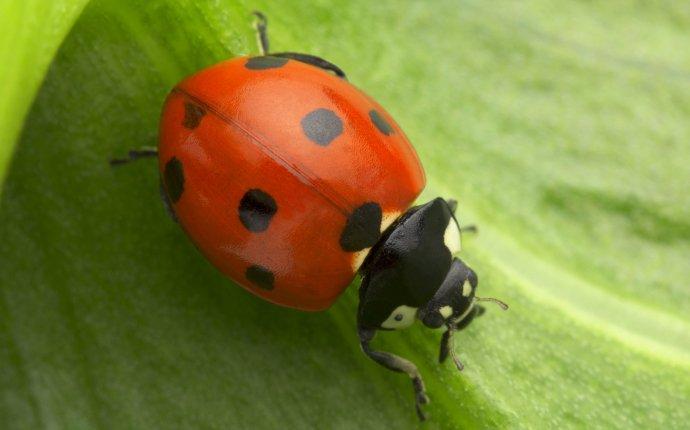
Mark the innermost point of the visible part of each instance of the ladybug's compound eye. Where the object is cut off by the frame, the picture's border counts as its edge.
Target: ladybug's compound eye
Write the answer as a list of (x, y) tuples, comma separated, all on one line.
[(403, 316)]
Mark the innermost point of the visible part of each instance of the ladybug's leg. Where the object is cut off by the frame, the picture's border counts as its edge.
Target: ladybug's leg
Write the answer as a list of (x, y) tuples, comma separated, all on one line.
[(261, 25), (447, 348), (453, 205), (469, 229), (147, 152), (135, 154), (396, 364), (447, 338), (312, 60)]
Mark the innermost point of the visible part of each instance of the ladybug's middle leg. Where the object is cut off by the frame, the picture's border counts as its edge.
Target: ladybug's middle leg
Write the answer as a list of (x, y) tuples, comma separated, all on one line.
[(396, 364), (147, 152)]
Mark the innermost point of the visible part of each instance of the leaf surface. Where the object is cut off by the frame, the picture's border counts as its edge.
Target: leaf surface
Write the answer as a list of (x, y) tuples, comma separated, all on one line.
[(561, 129)]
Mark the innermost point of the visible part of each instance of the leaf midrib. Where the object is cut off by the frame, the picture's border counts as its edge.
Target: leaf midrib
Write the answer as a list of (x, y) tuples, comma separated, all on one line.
[(646, 330)]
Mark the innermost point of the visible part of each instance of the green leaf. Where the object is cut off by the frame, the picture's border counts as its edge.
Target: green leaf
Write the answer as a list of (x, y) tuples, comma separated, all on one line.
[(32, 30), (562, 130)]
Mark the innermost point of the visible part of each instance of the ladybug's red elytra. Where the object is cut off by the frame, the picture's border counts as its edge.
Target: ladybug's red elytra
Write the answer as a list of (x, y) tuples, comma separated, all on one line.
[(290, 180)]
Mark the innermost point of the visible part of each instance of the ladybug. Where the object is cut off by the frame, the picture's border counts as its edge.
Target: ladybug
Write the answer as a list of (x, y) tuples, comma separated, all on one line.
[(281, 149)]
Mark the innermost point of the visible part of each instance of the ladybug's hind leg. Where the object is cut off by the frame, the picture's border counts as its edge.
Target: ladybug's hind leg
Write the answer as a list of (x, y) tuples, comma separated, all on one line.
[(261, 25), (135, 154), (396, 364)]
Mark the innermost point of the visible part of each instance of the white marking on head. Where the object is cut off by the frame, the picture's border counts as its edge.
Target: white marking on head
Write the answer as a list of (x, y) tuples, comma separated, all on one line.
[(403, 316), (466, 288), (445, 311), (452, 237)]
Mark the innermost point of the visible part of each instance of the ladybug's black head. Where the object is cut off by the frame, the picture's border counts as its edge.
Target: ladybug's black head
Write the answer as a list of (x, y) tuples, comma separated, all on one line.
[(454, 304), (454, 300)]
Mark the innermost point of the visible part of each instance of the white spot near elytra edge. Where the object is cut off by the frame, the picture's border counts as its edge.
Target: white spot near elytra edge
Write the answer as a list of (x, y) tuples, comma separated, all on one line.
[(359, 257), (387, 219), (452, 237)]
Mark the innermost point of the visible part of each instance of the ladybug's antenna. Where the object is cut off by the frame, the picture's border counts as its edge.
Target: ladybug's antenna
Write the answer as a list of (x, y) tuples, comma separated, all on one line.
[(491, 299), (261, 26)]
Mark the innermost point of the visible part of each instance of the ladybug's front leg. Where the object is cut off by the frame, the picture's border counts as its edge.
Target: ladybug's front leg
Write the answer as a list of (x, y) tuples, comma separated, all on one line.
[(447, 338), (453, 205), (396, 364), (447, 348)]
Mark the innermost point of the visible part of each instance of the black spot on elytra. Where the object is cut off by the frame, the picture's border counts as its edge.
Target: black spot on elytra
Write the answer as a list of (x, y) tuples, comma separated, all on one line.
[(256, 210), (322, 126), (173, 176), (363, 228), (380, 122), (265, 62), (192, 115), (260, 276)]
